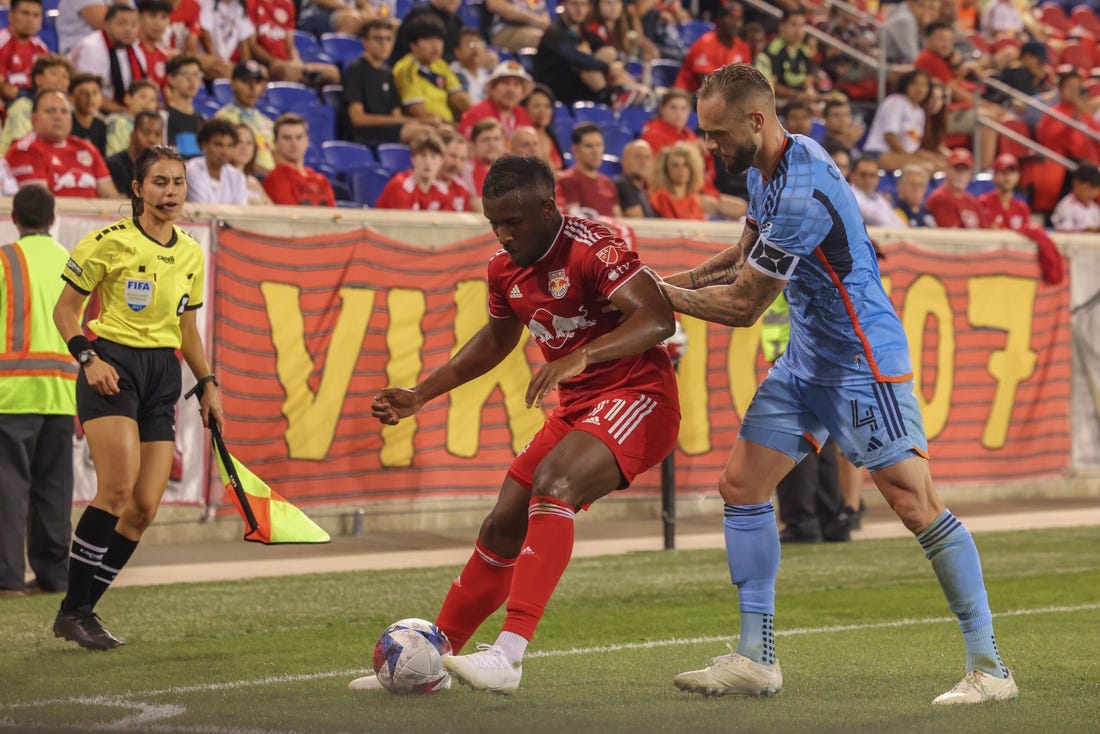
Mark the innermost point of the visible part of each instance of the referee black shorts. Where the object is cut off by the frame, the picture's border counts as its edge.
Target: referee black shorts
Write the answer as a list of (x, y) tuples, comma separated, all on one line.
[(149, 384)]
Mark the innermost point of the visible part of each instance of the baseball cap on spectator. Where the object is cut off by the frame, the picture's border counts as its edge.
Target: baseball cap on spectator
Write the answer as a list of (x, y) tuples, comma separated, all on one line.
[(1035, 48), (512, 69), (1006, 162), (732, 6), (960, 157), (246, 70)]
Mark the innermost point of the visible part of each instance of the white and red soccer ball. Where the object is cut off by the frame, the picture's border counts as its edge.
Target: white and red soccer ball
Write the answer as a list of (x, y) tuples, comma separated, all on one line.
[(408, 657)]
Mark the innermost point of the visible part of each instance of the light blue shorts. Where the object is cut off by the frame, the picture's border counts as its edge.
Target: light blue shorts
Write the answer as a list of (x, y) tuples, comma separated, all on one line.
[(876, 424)]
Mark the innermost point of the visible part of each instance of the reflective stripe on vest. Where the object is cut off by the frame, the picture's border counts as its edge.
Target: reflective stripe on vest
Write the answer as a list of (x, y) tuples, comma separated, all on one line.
[(15, 360)]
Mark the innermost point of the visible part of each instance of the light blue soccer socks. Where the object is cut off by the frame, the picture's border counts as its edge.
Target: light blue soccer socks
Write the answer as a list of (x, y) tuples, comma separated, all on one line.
[(752, 549), (950, 547)]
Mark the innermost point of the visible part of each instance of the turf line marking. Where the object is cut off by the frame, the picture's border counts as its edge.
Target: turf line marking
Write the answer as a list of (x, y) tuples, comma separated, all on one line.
[(109, 700)]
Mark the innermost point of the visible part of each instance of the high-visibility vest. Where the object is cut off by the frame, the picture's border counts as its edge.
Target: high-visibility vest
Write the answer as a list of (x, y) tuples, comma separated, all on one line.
[(37, 373), (775, 329)]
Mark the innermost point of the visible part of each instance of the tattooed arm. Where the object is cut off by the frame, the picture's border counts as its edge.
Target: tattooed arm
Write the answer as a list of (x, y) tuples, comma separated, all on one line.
[(722, 269), (738, 304)]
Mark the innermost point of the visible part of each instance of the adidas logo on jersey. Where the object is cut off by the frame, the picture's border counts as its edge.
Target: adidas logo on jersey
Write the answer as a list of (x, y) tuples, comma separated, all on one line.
[(527, 551), (874, 444), (515, 293)]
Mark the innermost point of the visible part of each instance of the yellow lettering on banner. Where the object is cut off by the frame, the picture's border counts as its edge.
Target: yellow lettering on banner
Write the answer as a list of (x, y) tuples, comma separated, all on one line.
[(887, 284), (512, 376), (741, 362), (694, 390), (927, 297), (312, 418), (1006, 303), (404, 340)]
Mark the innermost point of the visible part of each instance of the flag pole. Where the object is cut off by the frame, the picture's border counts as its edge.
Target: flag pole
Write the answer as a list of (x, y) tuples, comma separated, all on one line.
[(234, 479)]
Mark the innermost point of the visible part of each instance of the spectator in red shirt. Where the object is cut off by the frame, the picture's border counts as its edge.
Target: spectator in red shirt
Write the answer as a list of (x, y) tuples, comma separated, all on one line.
[(152, 25), (677, 182), (950, 204), (50, 156), (715, 48), (1060, 137), (292, 181), (19, 47), (583, 187), (508, 85), (455, 173), (185, 34), (273, 45), (419, 188)]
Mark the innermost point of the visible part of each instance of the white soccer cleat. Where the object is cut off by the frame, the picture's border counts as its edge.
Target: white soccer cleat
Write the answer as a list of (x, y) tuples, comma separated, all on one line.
[(732, 675), (371, 683), (978, 687), (488, 669)]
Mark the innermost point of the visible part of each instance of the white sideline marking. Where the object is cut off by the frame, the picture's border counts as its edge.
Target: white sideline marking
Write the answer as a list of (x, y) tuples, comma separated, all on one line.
[(127, 698)]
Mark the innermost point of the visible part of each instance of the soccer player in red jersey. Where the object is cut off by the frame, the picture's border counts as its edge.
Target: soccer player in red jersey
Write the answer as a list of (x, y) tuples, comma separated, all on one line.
[(618, 412), (19, 47)]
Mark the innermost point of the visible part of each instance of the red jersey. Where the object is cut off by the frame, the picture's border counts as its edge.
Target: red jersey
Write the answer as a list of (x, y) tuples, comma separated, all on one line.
[(274, 20), (668, 206), (183, 22), (1015, 217), (561, 299), (459, 196), (403, 192), (660, 134), (598, 194), (1063, 139), (17, 57), (156, 59), (486, 108), (71, 168), (707, 54), (288, 185), (955, 210), (937, 66)]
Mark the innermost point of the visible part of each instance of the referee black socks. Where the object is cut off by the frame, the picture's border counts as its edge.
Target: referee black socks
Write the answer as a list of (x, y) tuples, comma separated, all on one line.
[(90, 541), (118, 553)]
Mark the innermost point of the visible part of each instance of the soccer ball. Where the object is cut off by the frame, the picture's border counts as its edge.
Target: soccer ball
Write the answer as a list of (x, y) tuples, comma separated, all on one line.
[(408, 657)]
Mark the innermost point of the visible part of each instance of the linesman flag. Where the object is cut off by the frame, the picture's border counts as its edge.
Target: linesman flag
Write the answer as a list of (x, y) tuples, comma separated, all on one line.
[(269, 517)]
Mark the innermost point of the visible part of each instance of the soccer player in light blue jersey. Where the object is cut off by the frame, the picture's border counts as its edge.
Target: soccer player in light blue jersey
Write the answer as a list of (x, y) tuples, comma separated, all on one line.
[(846, 373)]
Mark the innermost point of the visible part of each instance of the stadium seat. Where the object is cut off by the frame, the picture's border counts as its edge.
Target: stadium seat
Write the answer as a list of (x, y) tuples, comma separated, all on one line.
[(394, 157), (470, 14), (222, 90), (366, 183), (308, 48), (208, 107), (48, 32), (635, 68), (561, 112), (1077, 54), (526, 57), (600, 114), (48, 5), (342, 48), (403, 7), (634, 118), (611, 166), (341, 155), (4, 17), (333, 96), (322, 123), (664, 72), (1086, 17), (887, 183), (980, 185), (1044, 179), (615, 138), (562, 130), (289, 97), (1054, 16), (693, 29)]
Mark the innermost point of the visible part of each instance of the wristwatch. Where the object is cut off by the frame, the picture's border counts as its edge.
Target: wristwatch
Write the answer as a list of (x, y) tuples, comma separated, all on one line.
[(86, 356)]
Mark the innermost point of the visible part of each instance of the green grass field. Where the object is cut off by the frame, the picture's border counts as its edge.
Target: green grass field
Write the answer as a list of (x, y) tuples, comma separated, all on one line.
[(865, 640)]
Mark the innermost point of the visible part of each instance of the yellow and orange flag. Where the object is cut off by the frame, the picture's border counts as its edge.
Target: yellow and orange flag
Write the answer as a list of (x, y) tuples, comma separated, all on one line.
[(269, 518)]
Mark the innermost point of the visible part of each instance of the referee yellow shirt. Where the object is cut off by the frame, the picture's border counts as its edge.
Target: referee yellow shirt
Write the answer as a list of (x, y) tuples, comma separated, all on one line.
[(432, 86), (144, 287)]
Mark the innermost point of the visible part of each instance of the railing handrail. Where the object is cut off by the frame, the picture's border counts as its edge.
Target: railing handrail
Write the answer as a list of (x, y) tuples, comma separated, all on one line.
[(819, 35), (1041, 106), (861, 15), (1027, 142)]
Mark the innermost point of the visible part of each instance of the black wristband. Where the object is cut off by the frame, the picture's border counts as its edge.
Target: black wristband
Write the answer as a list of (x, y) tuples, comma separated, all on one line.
[(78, 344), (200, 386)]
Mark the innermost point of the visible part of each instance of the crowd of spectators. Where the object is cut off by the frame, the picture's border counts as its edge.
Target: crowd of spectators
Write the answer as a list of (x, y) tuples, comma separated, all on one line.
[(402, 104)]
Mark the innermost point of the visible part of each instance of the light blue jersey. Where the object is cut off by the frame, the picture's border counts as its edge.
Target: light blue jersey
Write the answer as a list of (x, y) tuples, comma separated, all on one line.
[(844, 330)]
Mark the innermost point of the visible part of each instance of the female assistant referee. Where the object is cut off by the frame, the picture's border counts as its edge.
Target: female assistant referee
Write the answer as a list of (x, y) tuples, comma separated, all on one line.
[(149, 277)]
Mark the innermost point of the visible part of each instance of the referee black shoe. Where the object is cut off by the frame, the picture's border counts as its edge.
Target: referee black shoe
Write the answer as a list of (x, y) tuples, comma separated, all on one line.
[(83, 627)]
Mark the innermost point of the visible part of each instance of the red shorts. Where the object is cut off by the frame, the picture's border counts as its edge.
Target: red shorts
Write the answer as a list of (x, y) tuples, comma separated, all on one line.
[(639, 430)]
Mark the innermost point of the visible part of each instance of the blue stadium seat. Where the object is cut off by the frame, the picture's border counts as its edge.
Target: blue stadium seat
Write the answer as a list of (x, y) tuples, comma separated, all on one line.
[(403, 8), (692, 29), (526, 57), (308, 48), (887, 183), (342, 155), (4, 17), (611, 166), (615, 138), (664, 72), (394, 157), (634, 118), (635, 68), (48, 32), (342, 48), (600, 114), (208, 107), (289, 97), (366, 183), (48, 5), (567, 159), (222, 90), (322, 123), (562, 130), (333, 96), (981, 185), (470, 14)]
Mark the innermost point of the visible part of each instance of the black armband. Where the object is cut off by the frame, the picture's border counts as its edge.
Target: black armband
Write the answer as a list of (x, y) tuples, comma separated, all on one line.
[(200, 386), (78, 344)]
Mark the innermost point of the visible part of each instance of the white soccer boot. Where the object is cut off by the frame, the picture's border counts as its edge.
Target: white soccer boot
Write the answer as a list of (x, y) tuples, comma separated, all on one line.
[(371, 683), (978, 687), (732, 675), (488, 669)]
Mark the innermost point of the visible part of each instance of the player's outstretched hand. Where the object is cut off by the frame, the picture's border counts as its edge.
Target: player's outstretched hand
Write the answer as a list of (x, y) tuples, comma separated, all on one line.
[(393, 404), (547, 379)]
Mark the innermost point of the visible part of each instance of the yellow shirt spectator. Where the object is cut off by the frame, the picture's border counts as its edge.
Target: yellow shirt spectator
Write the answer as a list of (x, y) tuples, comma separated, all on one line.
[(431, 86)]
